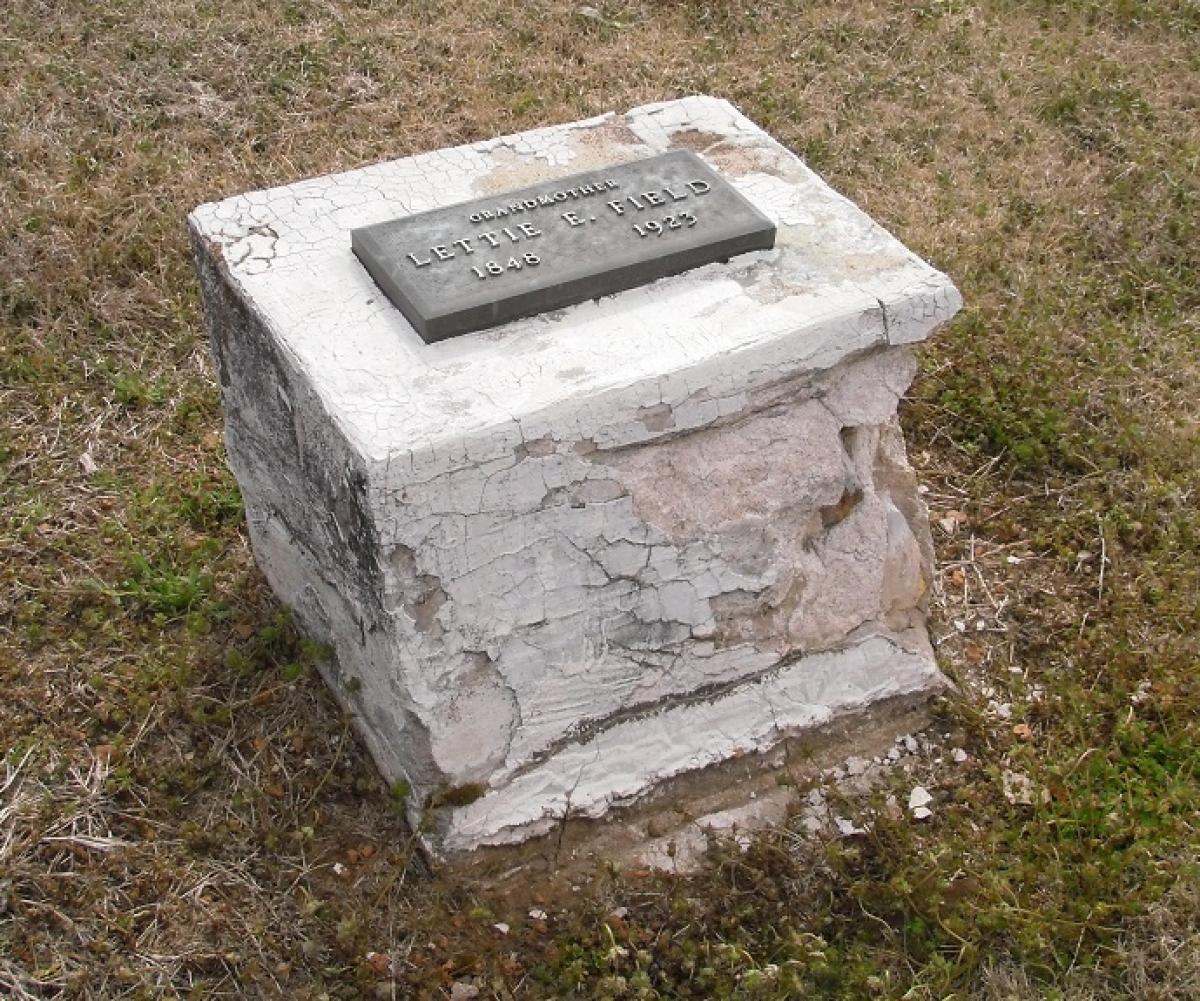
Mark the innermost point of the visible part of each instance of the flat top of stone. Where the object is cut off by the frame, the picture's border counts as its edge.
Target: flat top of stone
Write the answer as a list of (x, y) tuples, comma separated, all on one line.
[(836, 283)]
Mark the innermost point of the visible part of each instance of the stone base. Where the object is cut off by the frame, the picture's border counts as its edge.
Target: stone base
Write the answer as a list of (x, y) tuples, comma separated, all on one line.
[(566, 560), (672, 827)]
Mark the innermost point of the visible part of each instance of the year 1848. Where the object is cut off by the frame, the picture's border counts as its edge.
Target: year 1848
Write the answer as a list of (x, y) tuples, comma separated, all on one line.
[(494, 268)]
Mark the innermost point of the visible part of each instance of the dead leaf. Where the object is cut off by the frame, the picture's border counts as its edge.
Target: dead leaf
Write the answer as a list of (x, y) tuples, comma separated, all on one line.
[(378, 963)]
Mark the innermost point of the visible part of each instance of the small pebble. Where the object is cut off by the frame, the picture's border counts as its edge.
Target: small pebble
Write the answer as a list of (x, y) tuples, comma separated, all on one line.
[(918, 798), (857, 766)]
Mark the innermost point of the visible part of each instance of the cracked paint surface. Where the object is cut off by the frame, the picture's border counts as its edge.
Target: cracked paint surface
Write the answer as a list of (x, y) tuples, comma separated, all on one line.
[(573, 556)]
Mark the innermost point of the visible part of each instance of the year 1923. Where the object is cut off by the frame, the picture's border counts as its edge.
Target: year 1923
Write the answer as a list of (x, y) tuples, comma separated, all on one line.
[(680, 220)]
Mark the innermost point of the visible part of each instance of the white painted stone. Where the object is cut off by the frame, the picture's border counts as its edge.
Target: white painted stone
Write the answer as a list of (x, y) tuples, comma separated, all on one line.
[(565, 560)]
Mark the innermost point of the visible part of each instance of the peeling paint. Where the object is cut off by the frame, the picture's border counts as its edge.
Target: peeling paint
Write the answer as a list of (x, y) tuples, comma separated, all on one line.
[(574, 556)]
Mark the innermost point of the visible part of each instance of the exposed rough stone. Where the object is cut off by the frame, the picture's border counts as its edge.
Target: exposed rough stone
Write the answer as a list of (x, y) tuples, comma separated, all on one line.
[(565, 560)]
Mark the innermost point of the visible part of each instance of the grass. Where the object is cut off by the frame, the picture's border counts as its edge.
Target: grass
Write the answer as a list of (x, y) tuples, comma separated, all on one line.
[(182, 808)]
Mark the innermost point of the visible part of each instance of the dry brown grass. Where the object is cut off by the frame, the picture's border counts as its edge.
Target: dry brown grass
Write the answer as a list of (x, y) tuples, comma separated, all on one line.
[(177, 785)]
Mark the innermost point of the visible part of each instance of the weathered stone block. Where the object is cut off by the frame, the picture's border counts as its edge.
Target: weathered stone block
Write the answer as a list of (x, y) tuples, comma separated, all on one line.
[(567, 559)]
